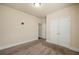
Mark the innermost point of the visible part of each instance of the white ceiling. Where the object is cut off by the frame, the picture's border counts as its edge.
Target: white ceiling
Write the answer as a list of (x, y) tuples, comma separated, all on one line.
[(41, 11)]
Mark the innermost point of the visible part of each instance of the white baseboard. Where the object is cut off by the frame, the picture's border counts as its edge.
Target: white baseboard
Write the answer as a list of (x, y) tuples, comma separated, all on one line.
[(12, 45), (72, 48)]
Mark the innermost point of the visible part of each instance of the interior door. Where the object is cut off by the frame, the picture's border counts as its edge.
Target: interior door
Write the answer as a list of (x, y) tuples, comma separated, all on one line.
[(39, 30), (53, 30), (64, 31)]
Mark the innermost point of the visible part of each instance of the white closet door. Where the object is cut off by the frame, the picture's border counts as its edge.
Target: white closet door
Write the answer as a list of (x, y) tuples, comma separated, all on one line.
[(64, 31), (58, 31), (53, 30)]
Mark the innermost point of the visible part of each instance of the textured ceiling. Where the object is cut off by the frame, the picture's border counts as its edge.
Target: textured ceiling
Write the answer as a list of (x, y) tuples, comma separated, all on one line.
[(41, 11)]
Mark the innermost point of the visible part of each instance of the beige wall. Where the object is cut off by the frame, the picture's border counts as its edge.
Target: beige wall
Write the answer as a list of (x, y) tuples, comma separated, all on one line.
[(73, 13), (11, 30)]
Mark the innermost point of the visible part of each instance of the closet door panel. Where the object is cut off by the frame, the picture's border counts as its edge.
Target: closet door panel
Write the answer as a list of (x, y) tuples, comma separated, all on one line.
[(53, 30), (64, 32)]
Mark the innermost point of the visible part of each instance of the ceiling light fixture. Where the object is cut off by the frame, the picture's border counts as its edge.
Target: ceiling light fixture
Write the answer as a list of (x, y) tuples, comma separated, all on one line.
[(37, 4)]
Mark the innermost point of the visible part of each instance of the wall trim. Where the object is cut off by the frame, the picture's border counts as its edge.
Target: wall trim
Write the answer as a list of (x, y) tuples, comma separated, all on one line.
[(72, 48), (12, 45)]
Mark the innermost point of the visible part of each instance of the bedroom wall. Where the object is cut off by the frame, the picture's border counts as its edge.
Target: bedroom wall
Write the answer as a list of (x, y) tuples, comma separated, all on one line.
[(12, 32)]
